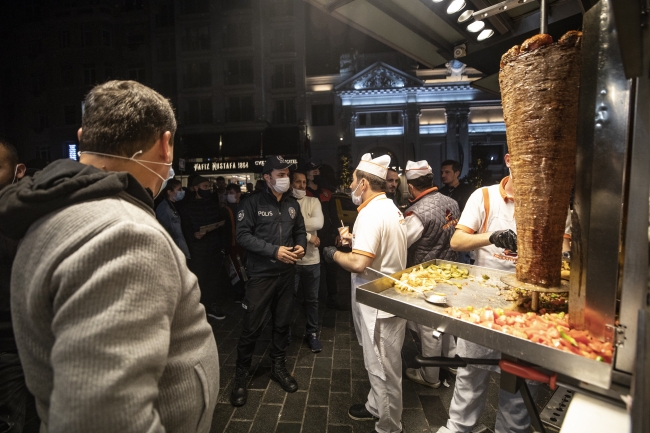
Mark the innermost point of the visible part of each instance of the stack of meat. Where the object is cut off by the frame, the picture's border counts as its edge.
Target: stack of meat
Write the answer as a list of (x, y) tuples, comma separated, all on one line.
[(539, 87)]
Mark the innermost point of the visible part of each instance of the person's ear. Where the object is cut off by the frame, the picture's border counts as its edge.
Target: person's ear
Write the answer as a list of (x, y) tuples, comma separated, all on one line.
[(21, 169), (166, 147), (79, 134), (506, 159)]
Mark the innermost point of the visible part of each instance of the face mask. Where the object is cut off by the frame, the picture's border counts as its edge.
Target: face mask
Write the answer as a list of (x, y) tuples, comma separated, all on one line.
[(281, 185), (356, 199), (232, 198), (15, 174), (180, 195), (140, 162), (299, 193), (204, 193)]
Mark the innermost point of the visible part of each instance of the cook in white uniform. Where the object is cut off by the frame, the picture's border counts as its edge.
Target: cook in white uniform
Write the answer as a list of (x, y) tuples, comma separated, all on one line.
[(487, 226), (378, 241)]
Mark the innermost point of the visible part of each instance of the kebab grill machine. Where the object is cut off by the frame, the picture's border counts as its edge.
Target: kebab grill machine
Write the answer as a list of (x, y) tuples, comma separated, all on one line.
[(608, 283)]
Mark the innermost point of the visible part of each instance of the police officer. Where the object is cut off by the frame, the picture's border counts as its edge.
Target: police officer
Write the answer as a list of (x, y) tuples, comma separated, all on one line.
[(272, 230)]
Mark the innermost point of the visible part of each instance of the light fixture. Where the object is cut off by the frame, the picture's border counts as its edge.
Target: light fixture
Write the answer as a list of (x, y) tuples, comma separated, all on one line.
[(456, 6), (476, 26), (465, 16), (436, 1), (485, 34)]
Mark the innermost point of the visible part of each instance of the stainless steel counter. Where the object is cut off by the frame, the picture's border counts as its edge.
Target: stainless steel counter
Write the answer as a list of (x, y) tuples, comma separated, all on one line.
[(381, 294)]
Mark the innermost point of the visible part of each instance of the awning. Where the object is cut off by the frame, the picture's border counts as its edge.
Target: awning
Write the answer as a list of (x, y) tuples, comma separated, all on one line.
[(426, 32)]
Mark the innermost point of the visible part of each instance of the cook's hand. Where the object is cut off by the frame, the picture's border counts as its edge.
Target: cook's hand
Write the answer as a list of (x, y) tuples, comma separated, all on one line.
[(286, 255), (506, 239), (328, 254), (299, 251), (314, 240), (199, 235)]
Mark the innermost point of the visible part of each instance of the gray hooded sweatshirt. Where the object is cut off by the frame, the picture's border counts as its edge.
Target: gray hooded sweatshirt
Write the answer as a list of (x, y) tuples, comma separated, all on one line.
[(107, 317)]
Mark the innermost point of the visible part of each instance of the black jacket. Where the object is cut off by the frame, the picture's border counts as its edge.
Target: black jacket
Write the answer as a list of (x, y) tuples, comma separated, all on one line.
[(263, 225)]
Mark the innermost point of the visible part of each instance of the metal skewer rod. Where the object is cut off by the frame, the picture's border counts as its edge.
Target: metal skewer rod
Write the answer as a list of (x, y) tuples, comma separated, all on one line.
[(543, 17)]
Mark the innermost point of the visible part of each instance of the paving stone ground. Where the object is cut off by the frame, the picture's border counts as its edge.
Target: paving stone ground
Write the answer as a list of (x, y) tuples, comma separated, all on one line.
[(329, 382)]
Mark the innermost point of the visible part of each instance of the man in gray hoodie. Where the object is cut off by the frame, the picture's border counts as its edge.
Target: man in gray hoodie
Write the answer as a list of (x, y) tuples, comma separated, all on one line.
[(106, 315)]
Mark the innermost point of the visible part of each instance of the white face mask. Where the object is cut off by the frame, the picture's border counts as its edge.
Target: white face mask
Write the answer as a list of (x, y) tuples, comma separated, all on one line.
[(281, 185), (15, 174), (140, 162), (356, 199), (299, 193), (231, 198)]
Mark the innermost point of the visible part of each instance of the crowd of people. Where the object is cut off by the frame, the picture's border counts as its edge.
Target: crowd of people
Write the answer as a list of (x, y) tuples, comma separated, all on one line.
[(111, 270)]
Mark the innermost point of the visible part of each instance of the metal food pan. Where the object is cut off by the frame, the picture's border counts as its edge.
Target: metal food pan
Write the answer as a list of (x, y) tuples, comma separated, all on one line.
[(381, 294)]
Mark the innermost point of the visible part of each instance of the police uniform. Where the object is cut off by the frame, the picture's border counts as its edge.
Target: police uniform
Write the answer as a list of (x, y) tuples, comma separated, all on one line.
[(263, 225), (379, 232)]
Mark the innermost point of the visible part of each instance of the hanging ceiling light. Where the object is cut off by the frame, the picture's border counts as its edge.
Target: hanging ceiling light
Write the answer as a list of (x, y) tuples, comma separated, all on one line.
[(456, 6), (436, 1), (476, 26), (465, 16), (485, 34)]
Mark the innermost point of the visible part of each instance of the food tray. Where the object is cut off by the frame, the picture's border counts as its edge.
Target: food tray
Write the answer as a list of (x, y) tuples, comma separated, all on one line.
[(478, 292)]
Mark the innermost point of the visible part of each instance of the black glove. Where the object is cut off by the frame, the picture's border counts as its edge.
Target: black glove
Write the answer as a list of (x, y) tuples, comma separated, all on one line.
[(328, 254), (506, 239)]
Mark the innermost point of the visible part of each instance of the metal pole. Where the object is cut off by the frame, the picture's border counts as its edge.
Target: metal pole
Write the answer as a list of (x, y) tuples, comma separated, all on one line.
[(543, 17)]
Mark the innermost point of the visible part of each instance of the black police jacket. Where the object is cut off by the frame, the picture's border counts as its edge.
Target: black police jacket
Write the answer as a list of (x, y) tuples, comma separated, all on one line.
[(264, 224)]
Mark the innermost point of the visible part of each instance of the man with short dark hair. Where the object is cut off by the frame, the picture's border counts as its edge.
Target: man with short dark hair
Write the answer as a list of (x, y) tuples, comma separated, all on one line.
[(207, 232), (308, 268), (430, 223), (107, 317), (379, 241), (271, 229), (454, 188), (392, 183)]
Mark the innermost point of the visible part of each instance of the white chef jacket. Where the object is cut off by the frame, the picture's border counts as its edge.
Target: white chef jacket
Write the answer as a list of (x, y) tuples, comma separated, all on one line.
[(498, 214), (380, 233)]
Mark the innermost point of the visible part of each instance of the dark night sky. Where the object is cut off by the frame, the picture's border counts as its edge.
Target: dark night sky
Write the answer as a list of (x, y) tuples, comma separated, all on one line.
[(328, 38)]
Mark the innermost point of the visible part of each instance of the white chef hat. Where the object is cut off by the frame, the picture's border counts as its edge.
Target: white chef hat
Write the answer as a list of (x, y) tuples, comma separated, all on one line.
[(417, 169), (377, 166)]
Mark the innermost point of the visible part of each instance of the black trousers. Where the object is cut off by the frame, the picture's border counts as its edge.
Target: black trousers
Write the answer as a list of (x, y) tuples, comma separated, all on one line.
[(274, 294), (205, 263), (331, 271)]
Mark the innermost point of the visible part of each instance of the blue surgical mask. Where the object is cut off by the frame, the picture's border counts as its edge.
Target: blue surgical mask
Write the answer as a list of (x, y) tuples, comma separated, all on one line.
[(180, 195)]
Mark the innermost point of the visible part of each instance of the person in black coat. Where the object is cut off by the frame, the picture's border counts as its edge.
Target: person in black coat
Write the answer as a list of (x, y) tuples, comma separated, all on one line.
[(271, 228)]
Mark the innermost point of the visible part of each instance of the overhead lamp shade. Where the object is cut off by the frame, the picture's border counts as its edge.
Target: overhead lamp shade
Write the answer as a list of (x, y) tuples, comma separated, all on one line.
[(476, 26), (436, 1), (456, 6), (465, 16), (485, 34)]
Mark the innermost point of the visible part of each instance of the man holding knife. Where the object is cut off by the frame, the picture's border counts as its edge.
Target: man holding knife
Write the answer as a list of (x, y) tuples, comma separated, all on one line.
[(272, 230), (379, 242)]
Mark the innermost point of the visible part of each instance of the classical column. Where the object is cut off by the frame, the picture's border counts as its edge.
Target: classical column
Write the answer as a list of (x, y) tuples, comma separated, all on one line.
[(457, 142), (463, 137)]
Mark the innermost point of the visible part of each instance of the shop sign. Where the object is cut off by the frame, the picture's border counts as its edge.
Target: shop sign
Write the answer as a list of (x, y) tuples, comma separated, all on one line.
[(253, 165)]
